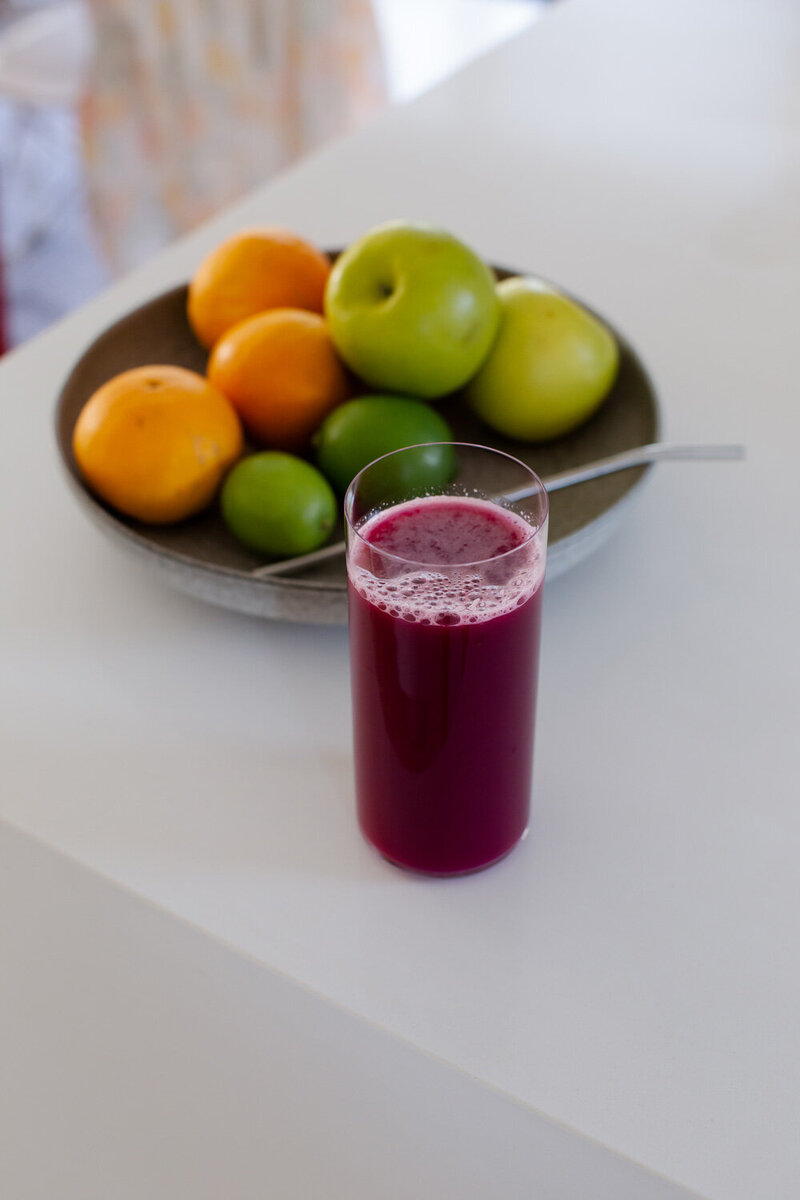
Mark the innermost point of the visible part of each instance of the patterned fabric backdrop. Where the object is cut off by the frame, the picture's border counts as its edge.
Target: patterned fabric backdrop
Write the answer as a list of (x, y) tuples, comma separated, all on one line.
[(192, 102)]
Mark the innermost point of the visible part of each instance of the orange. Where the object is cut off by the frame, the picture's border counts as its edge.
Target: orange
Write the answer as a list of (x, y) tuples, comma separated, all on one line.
[(280, 372), (253, 271), (155, 442)]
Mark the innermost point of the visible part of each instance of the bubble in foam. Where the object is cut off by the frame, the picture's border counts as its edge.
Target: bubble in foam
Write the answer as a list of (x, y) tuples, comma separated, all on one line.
[(448, 618)]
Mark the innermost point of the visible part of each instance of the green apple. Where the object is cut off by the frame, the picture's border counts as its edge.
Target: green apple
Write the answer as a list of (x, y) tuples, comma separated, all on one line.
[(551, 366), (412, 309)]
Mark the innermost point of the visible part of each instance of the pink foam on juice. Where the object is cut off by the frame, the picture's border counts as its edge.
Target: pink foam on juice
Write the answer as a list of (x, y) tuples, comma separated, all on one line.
[(444, 630), (472, 539)]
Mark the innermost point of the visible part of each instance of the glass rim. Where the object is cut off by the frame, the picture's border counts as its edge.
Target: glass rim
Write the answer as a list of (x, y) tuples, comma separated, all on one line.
[(478, 562)]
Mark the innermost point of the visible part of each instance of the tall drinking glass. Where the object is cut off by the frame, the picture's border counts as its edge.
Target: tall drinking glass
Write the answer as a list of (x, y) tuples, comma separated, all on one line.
[(444, 592)]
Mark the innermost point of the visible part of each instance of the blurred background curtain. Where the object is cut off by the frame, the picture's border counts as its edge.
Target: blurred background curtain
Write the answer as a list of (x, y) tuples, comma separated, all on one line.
[(189, 103)]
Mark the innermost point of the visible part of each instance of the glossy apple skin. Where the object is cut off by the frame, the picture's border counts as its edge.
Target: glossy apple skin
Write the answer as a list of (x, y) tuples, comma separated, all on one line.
[(551, 366), (412, 310)]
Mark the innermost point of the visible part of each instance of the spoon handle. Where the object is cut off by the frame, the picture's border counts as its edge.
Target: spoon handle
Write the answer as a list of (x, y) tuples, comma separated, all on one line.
[(637, 457), (288, 566)]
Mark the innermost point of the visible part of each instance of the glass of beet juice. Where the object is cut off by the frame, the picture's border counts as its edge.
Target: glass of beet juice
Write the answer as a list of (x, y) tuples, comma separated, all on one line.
[(446, 552)]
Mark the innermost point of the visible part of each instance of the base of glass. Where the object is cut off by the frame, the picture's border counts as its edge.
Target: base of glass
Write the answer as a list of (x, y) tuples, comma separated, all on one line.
[(428, 874)]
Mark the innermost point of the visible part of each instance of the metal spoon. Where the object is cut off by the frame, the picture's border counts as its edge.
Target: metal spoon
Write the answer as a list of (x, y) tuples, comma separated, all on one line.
[(637, 457)]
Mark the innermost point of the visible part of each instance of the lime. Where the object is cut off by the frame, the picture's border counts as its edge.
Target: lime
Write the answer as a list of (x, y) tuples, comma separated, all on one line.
[(278, 504), (359, 431)]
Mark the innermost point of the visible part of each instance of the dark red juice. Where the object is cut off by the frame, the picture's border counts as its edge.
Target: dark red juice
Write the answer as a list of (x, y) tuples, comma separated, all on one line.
[(444, 661)]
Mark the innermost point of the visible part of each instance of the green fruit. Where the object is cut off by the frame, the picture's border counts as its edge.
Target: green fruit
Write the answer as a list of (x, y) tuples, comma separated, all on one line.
[(359, 431), (277, 504), (411, 309), (551, 366)]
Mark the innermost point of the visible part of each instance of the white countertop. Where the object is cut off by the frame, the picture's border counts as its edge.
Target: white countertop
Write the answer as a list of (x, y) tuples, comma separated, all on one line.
[(632, 970)]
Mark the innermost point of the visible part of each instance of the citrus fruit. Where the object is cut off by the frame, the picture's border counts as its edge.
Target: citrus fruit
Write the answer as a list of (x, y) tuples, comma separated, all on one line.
[(278, 504), (255, 270), (155, 442), (359, 431), (551, 366), (280, 372)]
